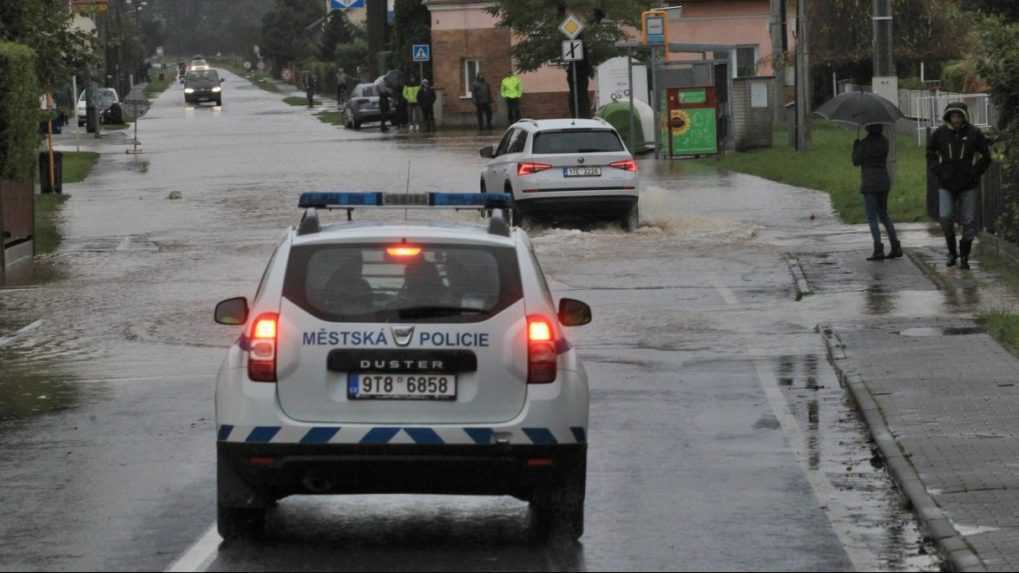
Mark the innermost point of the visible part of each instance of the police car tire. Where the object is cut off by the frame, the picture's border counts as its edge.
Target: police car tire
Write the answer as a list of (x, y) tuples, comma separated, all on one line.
[(560, 511), (240, 523)]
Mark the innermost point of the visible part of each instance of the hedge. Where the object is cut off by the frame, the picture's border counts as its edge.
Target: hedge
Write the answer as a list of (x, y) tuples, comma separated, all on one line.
[(19, 112)]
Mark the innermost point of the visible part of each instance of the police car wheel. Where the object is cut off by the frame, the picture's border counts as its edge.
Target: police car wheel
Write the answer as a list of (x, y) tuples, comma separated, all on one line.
[(559, 512), (240, 523)]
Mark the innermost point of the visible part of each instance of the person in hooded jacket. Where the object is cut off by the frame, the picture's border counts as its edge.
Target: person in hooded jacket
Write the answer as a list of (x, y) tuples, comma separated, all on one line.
[(871, 156), (958, 155)]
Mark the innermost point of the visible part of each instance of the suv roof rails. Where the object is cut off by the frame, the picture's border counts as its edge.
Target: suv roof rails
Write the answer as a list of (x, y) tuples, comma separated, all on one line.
[(498, 226), (309, 223)]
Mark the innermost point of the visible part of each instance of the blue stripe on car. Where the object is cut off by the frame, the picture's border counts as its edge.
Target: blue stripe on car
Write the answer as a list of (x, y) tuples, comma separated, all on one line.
[(319, 435), (379, 436), (579, 434), (262, 435), (224, 432), (540, 436), (424, 436), (481, 436)]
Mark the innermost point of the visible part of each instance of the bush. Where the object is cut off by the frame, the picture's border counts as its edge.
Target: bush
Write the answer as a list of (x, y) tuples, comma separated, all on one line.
[(325, 72), (19, 105), (1000, 59)]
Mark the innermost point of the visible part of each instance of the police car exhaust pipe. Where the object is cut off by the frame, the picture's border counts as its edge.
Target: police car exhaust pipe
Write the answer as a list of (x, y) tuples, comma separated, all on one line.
[(317, 484)]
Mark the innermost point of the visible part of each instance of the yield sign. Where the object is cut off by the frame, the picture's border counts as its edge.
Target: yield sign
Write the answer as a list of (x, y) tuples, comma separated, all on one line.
[(571, 27)]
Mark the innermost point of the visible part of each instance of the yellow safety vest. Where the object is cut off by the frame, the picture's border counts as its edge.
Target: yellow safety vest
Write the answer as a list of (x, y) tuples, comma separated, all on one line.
[(512, 87), (410, 93)]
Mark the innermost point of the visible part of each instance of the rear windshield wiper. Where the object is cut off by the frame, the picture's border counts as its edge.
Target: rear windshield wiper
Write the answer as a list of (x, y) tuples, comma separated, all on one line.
[(429, 311)]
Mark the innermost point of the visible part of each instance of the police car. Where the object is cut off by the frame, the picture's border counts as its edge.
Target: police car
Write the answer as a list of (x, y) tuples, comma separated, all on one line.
[(415, 358)]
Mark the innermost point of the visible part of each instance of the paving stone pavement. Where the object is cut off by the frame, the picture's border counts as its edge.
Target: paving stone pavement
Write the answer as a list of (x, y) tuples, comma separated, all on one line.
[(946, 393)]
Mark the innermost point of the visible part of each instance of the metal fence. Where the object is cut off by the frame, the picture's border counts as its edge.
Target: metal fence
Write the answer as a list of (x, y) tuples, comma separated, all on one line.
[(993, 198)]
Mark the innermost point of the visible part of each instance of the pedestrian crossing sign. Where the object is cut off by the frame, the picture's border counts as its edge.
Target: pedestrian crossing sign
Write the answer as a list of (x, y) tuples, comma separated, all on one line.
[(422, 52)]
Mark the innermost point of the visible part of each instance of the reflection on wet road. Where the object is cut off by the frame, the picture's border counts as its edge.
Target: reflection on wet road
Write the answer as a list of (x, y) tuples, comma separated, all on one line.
[(719, 436)]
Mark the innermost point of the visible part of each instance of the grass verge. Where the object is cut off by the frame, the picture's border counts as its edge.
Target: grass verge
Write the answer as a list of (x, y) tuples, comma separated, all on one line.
[(157, 86), (300, 101), (332, 118), (827, 166), (261, 80), (1002, 324), (78, 164), (47, 232)]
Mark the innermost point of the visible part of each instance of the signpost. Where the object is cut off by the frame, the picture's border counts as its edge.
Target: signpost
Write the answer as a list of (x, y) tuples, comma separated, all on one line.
[(573, 51), (422, 54)]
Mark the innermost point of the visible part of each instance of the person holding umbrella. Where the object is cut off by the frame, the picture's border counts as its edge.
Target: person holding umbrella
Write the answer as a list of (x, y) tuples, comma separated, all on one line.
[(871, 156)]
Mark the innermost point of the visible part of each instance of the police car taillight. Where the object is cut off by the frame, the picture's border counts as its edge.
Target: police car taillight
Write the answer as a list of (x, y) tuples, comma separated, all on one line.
[(262, 348), (542, 358)]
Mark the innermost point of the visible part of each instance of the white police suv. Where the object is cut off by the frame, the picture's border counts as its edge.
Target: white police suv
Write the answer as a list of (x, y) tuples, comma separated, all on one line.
[(418, 358), (572, 168)]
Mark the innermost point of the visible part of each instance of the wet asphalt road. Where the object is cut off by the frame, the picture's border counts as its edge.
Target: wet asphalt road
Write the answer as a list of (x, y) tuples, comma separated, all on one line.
[(719, 436)]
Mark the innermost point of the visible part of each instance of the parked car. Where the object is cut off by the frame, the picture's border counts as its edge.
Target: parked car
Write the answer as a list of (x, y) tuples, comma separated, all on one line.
[(363, 106), (105, 98)]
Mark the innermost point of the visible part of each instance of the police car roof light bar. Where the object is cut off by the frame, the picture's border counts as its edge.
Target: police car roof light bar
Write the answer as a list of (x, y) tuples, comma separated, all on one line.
[(350, 201)]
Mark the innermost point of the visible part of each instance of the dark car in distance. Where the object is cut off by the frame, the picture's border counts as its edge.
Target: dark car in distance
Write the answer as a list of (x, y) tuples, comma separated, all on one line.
[(203, 85)]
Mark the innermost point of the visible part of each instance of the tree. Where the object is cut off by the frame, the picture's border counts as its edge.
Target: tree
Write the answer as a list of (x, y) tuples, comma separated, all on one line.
[(338, 30), (285, 38), (412, 24), (1009, 9), (45, 27), (206, 26), (536, 25)]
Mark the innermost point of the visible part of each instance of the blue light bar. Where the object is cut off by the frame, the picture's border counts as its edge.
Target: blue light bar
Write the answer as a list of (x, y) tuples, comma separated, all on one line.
[(480, 200), (340, 200)]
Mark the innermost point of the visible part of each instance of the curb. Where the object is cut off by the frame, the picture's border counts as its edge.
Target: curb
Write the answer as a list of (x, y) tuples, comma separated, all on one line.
[(929, 271), (957, 552), (799, 277)]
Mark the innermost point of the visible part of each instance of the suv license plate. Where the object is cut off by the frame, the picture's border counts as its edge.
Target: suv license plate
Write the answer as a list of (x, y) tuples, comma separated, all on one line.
[(373, 386), (582, 171)]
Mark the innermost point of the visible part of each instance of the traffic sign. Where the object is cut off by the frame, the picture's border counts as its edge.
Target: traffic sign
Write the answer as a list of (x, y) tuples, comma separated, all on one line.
[(345, 4), (421, 52), (655, 28), (573, 50), (571, 27)]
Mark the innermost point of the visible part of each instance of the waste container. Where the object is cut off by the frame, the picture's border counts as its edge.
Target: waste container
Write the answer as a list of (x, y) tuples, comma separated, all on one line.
[(58, 172)]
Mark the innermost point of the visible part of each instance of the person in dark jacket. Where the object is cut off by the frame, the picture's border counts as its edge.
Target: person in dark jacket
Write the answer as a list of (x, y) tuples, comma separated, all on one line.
[(871, 156), (958, 155), (481, 93), (426, 101)]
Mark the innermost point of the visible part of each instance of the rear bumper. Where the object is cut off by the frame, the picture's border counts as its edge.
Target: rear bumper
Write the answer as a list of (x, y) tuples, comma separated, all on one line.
[(579, 206), (255, 474)]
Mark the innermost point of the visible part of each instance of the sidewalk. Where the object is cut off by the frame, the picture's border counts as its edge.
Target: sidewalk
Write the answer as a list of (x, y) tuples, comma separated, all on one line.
[(942, 400)]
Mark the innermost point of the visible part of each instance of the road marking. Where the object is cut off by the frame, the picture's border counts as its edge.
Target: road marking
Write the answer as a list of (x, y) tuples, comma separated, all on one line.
[(824, 492), (4, 341), (200, 555)]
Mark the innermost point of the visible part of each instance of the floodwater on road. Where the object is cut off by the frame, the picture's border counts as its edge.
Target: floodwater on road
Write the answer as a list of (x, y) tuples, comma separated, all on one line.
[(720, 438)]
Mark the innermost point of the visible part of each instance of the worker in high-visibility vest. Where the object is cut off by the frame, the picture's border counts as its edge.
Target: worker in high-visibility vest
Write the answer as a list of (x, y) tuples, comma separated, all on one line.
[(410, 95), (512, 92)]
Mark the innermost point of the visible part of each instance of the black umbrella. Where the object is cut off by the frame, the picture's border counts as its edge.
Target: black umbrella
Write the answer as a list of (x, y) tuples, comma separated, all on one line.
[(860, 109)]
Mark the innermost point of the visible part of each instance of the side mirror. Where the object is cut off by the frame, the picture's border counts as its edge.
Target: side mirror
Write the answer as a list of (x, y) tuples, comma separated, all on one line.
[(574, 313), (232, 312), (488, 152), (221, 80)]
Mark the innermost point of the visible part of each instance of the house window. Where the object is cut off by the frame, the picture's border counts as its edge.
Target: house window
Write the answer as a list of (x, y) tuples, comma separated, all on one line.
[(746, 62), (471, 70)]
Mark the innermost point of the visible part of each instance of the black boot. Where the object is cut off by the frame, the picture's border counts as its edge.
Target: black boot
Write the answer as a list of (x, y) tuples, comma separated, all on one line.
[(879, 253), (953, 250), (966, 248), (896, 251)]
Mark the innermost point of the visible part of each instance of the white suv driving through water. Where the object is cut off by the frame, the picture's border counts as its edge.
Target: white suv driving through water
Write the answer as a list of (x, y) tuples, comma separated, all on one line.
[(564, 167)]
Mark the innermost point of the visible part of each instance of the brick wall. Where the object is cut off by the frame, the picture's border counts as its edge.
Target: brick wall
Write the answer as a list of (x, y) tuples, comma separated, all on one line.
[(449, 50)]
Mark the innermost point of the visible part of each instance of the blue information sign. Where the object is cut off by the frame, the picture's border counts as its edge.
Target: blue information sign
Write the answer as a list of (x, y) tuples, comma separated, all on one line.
[(422, 52), (345, 4)]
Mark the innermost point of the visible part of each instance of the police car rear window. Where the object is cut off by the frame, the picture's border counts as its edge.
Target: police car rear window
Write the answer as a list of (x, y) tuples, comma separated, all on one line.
[(576, 141), (368, 283)]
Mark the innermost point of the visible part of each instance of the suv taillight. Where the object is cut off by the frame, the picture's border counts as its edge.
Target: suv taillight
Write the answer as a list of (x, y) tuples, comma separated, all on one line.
[(626, 165), (532, 168), (262, 348), (542, 357)]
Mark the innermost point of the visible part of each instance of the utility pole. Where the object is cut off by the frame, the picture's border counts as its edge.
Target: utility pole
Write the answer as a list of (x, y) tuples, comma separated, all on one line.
[(778, 48), (377, 14), (802, 76), (886, 81)]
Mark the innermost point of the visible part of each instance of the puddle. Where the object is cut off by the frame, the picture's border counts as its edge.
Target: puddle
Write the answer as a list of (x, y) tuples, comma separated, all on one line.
[(926, 331)]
